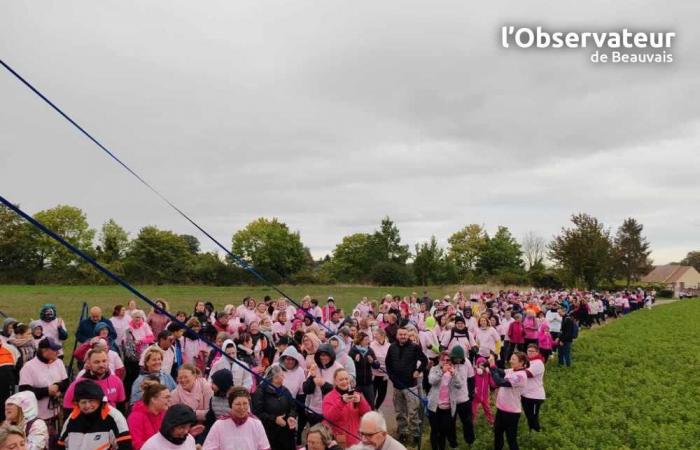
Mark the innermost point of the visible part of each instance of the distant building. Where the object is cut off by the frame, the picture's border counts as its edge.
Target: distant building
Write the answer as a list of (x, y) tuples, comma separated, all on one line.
[(677, 278)]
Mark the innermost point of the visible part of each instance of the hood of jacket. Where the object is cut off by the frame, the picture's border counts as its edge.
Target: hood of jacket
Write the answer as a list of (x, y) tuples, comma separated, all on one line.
[(47, 313), (177, 414), (341, 351), (26, 401), (229, 342), (292, 352), (328, 349)]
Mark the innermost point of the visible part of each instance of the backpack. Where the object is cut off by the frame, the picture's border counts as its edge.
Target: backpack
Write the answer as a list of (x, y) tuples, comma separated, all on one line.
[(574, 329), (129, 347)]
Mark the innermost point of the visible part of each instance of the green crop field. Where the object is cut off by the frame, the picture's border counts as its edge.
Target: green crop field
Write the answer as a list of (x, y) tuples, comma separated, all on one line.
[(633, 385)]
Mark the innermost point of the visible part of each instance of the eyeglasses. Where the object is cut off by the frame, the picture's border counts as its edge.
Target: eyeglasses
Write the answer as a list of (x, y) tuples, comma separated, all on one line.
[(366, 434)]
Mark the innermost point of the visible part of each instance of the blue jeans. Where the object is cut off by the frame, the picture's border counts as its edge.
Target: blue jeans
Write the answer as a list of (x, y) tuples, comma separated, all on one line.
[(565, 353)]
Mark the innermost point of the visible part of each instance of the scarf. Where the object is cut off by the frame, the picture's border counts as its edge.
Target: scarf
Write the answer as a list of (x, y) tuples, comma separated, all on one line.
[(362, 350), (239, 421)]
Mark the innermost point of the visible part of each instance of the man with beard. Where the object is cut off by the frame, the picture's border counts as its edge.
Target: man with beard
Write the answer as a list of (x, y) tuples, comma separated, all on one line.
[(97, 370), (404, 363)]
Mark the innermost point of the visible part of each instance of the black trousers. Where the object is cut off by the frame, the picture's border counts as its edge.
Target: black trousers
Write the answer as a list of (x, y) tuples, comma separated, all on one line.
[(367, 392), (380, 385), (442, 425), (531, 408), (464, 412), (506, 423)]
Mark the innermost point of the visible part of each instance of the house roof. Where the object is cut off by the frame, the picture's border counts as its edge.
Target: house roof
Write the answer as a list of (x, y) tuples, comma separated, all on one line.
[(669, 273)]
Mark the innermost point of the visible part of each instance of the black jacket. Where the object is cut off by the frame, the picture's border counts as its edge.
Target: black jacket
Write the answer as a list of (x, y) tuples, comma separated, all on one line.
[(567, 329), (402, 361), (363, 368), (270, 403)]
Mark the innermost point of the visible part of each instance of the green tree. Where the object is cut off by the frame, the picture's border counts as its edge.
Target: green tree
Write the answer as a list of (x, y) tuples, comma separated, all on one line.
[(18, 257), (583, 252), (270, 247), (465, 246), (387, 243), (159, 256), (192, 243), (692, 259), (113, 242), (71, 224), (632, 251), (353, 258), (390, 273), (501, 253), (429, 261)]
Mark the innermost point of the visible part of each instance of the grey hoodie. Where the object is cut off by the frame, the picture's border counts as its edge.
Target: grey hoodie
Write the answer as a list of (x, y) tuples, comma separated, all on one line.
[(293, 379), (341, 356)]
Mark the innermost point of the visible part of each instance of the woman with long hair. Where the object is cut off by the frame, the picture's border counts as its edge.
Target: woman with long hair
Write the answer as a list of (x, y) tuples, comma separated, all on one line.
[(21, 411), (511, 383), (147, 415), (157, 319), (380, 380)]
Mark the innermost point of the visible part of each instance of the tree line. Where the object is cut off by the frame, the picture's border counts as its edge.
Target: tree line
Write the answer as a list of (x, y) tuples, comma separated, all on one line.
[(586, 254)]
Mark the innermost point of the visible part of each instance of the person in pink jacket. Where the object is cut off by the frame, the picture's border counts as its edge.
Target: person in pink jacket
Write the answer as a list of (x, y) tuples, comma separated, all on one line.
[(343, 408), (147, 415), (530, 327), (483, 384), (544, 339)]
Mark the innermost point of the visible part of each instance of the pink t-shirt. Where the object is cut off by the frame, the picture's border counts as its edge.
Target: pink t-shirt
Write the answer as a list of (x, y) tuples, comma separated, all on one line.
[(534, 388), (112, 386), (486, 339), (508, 398), (39, 375), (444, 394), (249, 436)]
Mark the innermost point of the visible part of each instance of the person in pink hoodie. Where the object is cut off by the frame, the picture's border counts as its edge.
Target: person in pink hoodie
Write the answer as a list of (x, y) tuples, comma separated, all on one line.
[(516, 336), (483, 384), (343, 407), (544, 339), (147, 415), (530, 327)]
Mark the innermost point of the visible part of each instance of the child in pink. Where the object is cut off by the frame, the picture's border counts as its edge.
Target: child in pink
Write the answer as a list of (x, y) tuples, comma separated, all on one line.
[(483, 386), (544, 340)]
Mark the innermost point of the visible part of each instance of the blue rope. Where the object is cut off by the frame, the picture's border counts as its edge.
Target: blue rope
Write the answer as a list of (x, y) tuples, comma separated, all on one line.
[(172, 318), (240, 261)]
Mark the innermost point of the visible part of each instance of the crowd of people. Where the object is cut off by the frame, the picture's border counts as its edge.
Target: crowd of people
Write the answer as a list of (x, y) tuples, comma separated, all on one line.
[(281, 376)]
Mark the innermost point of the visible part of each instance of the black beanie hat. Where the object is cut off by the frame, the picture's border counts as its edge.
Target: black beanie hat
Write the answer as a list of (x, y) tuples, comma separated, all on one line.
[(88, 390), (223, 379), (177, 414)]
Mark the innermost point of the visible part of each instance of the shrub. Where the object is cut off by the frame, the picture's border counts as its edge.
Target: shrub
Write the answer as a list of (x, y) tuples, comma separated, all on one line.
[(387, 273)]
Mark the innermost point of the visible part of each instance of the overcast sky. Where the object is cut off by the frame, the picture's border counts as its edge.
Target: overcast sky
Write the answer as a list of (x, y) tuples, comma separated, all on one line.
[(331, 115)]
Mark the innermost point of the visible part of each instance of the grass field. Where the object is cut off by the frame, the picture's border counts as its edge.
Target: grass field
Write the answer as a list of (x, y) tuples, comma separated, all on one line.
[(633, 384)]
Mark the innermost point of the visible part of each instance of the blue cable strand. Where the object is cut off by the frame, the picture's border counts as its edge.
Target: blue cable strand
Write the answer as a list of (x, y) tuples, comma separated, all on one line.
[(241, 262)]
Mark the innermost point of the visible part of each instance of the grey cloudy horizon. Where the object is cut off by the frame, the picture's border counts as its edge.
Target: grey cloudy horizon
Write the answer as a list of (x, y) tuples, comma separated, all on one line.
[(331, 115)]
